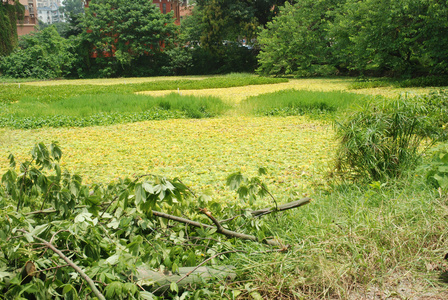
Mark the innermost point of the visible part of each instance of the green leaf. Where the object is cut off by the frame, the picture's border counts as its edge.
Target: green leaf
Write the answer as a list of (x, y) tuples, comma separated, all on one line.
[(256, 296), (140, 195), (67, 288), (148, 187), (234, 180), (113, 260), (130, 288), (174, 287), (39, 229), (12, 162), (262, 171), (114, 289), (16, 280), (5, 274), (175, 268), (134, 247), (243, 191), (55, 151), (443, 169), (147, 296)]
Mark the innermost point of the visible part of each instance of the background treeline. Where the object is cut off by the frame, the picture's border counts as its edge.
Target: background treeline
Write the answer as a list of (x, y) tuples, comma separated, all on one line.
[(400, 38)]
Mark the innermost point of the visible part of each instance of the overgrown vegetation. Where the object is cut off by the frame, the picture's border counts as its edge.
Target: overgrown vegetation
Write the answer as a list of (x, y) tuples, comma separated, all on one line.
[(109, 235), (428, 81), (107, 109), (437, 168), (353, 238), (91, 105), (40, 55), (385, 138), (10, 13), (297, 103)]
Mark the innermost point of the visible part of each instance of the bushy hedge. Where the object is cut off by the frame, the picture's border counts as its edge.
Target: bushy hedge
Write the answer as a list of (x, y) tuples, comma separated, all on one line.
[(41, 54)]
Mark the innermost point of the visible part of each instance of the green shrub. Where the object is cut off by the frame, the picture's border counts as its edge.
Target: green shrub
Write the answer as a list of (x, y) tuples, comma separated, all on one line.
[(369, 83), (40, 55), (436, 104), (382, 139), (438, 81), (231, 58), (437, 168)]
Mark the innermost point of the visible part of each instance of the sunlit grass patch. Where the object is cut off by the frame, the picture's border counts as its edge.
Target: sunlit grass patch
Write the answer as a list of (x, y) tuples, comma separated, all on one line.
[(112, 81), (47, 93), (294, 102), (237, 94)]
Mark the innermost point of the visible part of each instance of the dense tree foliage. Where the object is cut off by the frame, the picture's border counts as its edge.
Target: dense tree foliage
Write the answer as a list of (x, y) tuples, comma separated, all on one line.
[(73, 11), (373, 37), (122, 34), (400, 38), (295, 42), (43, 54), (8, 20), (219, 20), (219, 27)]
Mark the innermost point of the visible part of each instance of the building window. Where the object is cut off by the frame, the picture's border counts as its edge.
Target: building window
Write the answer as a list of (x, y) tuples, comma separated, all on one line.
[(164, 8)]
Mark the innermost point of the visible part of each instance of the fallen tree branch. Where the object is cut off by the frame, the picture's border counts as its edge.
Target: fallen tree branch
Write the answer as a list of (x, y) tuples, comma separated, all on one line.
[(224, 231), (286, 206), (205, 261), (71, 264), (265, 211), (209, 215), (195, 268)]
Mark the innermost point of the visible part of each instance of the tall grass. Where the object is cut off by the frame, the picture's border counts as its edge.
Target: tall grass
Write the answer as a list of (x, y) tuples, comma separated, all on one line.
[(428, 81), (382, 139), (352, 240), (293, 102), (106, 109)]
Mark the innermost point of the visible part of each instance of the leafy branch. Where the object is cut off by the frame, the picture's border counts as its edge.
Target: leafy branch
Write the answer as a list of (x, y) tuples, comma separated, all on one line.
[(70, 263)]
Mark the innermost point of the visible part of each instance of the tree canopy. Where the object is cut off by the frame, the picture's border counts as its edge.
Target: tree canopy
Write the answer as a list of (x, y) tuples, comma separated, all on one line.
[(215, 21), (372, 37), (121, 31)]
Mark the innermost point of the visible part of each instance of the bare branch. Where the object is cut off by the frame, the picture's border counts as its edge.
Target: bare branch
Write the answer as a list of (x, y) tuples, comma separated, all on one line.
[(224, 231), (290, 205), (209, 215)]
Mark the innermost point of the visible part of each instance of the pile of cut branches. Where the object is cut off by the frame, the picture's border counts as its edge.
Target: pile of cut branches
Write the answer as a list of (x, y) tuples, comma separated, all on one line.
[(134, 239)]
